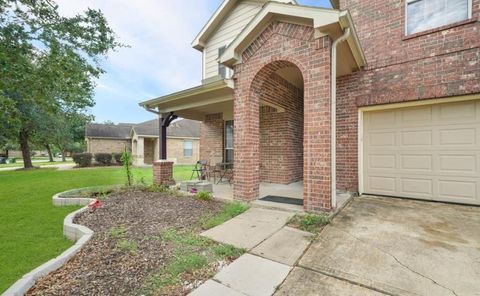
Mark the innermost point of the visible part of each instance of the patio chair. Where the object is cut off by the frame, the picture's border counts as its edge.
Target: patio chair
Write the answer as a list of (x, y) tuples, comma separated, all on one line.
[(200, 169)]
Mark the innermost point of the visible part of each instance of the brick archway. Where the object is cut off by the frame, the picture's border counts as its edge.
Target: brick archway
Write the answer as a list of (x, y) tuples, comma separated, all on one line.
[(285, 45)]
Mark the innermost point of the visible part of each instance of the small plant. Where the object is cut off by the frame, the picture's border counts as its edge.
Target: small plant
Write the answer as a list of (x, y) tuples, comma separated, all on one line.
[(228, 251), (83, 159), (103, 158), (126, 245), (127, 166), (186, 238), (116, 232), (204, 195), (157, 188), (171, 274), (309, 222), (229, 211)]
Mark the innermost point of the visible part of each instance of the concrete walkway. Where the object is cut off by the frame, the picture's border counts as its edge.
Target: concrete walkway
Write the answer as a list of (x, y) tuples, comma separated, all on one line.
[(272, 251)]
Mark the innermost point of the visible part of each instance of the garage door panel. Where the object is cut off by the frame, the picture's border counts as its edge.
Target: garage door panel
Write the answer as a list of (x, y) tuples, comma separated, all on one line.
[(452, 189), (458, 163), (458, 136), (382, 139), (457, 112), (417, 162), (382, 184), (415, 115), (382, 161), (427, 152), (416, 138), (417, 186)]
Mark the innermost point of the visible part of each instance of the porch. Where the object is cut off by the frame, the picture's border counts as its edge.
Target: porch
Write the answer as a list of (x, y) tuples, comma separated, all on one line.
[(293, 191)]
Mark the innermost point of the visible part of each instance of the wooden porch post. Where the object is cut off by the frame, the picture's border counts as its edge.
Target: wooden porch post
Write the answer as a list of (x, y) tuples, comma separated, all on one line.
[(164, 122)]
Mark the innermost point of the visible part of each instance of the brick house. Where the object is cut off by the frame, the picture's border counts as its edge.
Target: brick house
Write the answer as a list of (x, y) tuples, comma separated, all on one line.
[(373, 97), (142, 139)]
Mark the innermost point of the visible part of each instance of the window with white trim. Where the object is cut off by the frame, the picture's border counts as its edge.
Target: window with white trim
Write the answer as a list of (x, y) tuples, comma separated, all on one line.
[(229, 141), (422, 15), (187, 148)]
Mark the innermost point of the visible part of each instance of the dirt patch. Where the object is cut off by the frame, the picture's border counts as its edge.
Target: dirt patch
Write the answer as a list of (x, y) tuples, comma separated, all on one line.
[(128, 246)]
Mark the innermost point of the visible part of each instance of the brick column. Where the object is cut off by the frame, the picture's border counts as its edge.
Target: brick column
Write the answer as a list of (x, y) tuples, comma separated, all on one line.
[(247, 143), (316, 137), (163, 173)]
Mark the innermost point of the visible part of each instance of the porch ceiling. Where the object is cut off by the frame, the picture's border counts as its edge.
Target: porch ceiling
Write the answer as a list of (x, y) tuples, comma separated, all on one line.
[(196, 102)]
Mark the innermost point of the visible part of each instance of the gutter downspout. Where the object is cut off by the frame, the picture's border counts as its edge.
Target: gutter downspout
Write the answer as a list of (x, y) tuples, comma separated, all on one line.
[(333, 115)]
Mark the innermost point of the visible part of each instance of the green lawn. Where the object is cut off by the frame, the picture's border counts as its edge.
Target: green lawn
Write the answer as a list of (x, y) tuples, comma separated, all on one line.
[(30, 227)]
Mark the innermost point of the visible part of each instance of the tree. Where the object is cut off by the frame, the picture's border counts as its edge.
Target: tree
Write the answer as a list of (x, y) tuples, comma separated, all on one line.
[(48, 64)]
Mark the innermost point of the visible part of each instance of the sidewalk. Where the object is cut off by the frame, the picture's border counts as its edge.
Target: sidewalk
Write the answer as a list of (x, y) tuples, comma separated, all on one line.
[(272, 251)]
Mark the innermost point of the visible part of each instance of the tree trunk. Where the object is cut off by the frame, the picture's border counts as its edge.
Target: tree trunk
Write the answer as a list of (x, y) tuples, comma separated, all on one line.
[(6, 153), (50, 155), (63, 156), (27, 159)]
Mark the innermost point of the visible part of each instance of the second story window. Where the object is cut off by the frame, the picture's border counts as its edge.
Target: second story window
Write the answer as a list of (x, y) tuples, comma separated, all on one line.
[(422, 15), (223, 71)]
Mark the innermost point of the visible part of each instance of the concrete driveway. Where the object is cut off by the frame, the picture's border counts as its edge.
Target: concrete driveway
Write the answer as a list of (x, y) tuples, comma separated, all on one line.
[(378, 246)]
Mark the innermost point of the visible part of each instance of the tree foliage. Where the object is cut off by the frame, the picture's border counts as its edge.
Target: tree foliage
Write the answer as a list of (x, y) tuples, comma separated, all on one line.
[(48, 65)]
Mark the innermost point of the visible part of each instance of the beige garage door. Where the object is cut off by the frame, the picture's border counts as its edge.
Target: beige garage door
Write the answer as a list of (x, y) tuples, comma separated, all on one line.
[(428, 152)]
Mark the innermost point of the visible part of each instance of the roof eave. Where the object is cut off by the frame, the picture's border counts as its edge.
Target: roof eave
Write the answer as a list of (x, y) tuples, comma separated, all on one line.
[(232, 54), (219, 84)]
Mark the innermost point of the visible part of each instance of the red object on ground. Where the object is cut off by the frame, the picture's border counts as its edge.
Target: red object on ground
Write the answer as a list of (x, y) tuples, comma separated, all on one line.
[(96, 204)]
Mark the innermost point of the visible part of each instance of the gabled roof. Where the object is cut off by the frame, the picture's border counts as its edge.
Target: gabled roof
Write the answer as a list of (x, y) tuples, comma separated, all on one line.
[(183, 128), (325, 22), (222, 11), (96, 130)]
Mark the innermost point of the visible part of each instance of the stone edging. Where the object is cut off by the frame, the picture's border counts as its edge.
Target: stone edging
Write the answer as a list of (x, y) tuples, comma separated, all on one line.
[(77, 233)]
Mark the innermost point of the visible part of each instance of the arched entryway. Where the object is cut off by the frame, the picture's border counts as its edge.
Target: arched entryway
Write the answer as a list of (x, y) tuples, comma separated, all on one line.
[(277, 92), (279, 89)]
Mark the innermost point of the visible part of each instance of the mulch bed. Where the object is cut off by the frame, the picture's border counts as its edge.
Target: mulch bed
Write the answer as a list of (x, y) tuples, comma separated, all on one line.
[(101, 268)]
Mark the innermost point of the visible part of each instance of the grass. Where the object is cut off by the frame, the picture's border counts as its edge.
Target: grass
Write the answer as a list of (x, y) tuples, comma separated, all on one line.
[(30, 227), (116, 232), (230, 210), (45, 163), (126, 245), (309, 222), (192, 253)]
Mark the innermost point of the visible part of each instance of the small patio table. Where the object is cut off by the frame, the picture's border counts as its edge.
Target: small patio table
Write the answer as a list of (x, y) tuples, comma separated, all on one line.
[(227, 169)]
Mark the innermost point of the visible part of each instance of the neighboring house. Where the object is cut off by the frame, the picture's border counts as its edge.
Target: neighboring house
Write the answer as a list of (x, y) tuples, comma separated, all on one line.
[(183, 142), (401, 116)]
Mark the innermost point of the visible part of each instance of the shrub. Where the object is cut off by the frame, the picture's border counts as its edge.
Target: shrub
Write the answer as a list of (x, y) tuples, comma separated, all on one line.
[(204, 195), (83, 159), (103, 158), (118, 158)]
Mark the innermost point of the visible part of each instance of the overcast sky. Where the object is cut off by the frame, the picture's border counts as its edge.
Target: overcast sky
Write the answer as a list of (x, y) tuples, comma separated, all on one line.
[(160, 59)]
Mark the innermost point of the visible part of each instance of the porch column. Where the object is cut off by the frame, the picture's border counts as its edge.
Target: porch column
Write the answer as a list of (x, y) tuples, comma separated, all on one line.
[(317, 149), (246, 143), (139, 157), (163, 169)]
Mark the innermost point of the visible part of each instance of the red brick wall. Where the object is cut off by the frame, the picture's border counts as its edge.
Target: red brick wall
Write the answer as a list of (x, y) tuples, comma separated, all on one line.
[(211, 138), (441, 63), (281, 133), (285, 45)]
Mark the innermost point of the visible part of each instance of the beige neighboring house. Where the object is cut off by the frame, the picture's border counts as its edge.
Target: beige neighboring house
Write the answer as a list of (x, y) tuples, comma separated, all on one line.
[(183, 140)]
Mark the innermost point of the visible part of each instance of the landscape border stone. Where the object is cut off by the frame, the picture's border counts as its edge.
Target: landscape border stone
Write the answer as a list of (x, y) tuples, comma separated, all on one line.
[(75, 232)]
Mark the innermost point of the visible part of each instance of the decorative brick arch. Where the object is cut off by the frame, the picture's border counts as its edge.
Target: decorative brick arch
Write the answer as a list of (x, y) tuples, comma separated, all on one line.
[(284, 44)]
